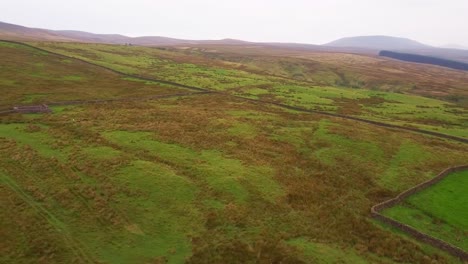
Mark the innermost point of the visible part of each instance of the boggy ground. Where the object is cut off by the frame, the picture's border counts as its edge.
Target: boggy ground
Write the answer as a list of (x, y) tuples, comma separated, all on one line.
[(338, 88), (204, 179), (30, 76)]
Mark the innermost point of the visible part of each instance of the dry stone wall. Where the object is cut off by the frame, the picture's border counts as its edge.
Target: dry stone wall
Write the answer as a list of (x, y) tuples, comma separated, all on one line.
[(376, 209)]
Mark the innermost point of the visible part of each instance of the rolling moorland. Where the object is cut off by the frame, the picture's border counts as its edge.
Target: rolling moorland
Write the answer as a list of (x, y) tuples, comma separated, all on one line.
[(289, 82), (221, 153), (360, 44)]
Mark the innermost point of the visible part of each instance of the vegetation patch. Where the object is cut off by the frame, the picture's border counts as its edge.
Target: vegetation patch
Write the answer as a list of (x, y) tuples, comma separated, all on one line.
[(35, 137), (440, 210), (201, 70), (101, 152), (160, 206), (314, 252), (224, 175), (216, 178), (397, 173)]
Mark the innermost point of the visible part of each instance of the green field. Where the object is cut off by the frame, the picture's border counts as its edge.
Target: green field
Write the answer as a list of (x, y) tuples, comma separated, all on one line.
[(377, 104), (440, 211), (207, 178)]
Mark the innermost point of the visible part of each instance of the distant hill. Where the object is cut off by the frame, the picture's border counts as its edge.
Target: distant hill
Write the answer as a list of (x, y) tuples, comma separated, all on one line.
[(377, 43), (425, 59), (15, 32), (369, 45), (90, 37)]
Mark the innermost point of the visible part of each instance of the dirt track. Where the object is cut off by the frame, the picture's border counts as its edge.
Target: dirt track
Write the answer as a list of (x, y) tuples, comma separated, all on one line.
[(206, 90)]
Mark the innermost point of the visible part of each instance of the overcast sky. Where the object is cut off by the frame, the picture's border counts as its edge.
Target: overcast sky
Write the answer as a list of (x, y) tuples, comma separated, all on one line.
[(435, 22)]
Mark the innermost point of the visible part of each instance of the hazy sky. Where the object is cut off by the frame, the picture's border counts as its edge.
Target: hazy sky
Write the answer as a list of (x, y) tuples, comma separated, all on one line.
[(435, 22)]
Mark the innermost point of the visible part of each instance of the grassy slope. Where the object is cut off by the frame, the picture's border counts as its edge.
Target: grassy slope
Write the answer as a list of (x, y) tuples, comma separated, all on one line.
[(29, 76), (203, 179), (235, 78), (178, 175), (349, 70), (440, 210)]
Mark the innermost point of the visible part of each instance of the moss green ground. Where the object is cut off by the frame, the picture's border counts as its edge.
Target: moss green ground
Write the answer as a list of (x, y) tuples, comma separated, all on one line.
[(238, 79), (205, 179), (140, 182), (32, 77), (440, 211)]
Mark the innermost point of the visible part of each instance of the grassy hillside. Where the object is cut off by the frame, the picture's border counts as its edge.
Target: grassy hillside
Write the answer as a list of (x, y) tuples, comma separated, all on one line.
[(30, 76), (344, 69), (219, 75), (204, 179)]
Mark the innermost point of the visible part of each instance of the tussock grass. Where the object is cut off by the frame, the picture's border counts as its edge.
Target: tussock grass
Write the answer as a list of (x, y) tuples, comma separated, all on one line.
[(350, 94), (206, 179)]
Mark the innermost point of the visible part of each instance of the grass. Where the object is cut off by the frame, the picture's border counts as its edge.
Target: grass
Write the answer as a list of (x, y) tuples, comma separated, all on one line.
[(150, 185), (395, 176), (57, 224), (345, 70), (322, 253), (210, 178), (349, 98), (222, 174), (35, 137), (338, 145), (440, 210), (154, 233), (101, 152), (31, 98), (29, 76), (171, 67)]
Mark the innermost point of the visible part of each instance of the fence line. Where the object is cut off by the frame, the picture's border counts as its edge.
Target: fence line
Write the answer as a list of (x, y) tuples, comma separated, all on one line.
[(100, 101), (376, 209)]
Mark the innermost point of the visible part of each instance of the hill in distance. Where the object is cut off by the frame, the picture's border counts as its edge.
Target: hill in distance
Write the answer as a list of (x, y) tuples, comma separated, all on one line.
[(378, 43), (16, 32), (370, 45), (241, 156)]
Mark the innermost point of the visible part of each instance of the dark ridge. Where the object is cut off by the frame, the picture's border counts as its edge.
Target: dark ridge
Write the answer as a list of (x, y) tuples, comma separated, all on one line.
[(425, 59)]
